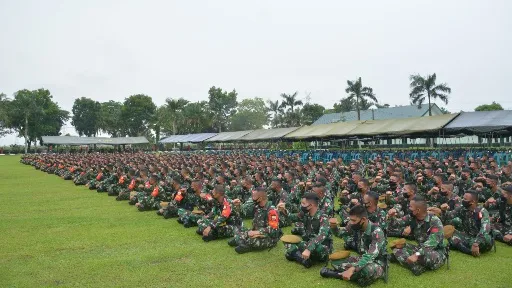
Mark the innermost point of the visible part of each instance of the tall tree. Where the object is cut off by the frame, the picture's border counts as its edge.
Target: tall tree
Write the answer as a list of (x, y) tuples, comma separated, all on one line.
[(138, 114), (359, 93), (197, 118), (292, 116), (425, 88), (174, 111), (311, 112), (4, 102), (33, 114), (86, 116), (111, 121), (251, 114), (277, 110), (489, 107), (222, 105)]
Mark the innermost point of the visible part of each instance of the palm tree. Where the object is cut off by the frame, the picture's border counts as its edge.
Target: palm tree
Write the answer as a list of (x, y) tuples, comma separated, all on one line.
[(290, 101), (357, 92), (422, 88), (174, 107), (275, 108)]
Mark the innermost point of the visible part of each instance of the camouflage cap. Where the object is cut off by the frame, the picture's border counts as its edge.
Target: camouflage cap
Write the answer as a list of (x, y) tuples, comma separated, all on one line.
[(382, 205), (164, 204)]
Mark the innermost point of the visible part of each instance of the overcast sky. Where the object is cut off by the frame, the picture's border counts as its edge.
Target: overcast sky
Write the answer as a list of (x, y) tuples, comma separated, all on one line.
[(112, 49)]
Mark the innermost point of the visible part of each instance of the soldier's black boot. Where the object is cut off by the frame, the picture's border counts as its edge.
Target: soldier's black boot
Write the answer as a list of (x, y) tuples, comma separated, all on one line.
[(187, 224), (290, 257), (417, 270), (179, 220), (199, 232), (158, 213), (329, 273), (232, 242), (242, 249), (306, 263)]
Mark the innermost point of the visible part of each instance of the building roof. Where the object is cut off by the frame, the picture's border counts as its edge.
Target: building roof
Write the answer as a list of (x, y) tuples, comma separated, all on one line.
[(481, 122), (190, 138), (377, 114), (228, 136), (268, 134)]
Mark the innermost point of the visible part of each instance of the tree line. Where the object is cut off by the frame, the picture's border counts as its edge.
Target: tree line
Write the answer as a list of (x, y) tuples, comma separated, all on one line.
[(33, 114)]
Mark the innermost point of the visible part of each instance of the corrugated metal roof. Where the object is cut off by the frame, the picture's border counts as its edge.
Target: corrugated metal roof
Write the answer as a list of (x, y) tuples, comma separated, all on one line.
[(481, 122), (323, 130), (378, 114), (268, 134), (189, 138), (228, 136), (75, 140), (402, 126)]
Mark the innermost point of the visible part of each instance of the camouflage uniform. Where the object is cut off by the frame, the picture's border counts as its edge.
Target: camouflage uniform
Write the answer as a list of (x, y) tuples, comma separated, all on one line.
[(150, 197), (502, 225), (124, 193), (371, 245), (189, 219), (220, 219), (107, 181), (317, 236), (185, 201), (429, 234), (266, 221), (327, 208), (94, 183), (471, 227), (114, 189)]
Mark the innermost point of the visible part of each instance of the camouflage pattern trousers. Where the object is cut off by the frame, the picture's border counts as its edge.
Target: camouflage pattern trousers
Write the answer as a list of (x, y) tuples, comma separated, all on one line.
[(114, 190), (225, 231), (431, 260), (365, 276), (171, 210), (500, 231), (93, 184), (242, 239), (187, 216), (320, 253), (463, 242), (123, 195)]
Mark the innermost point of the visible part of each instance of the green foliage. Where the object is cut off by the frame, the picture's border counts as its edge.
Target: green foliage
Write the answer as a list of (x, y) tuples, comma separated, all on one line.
[(251, 114), (4, 102), (489, 107), (425, 88), (86, 116), (222, 105), (311, 112), (138, 114), (57, 234), (111, 121), (33, 114), (356, 91), (171, 114), (197, 118), (444, 110), (291, 107)]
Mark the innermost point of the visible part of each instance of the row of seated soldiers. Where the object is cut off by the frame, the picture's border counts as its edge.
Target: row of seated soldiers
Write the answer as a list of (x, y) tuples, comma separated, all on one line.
[(469, 203)]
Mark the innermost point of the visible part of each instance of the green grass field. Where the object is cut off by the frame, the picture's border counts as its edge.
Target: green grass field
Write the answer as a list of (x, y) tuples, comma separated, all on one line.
[(56, 234)]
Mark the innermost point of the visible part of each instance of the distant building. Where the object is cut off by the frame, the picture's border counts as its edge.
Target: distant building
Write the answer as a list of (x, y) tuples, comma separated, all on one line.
[(380, 114)]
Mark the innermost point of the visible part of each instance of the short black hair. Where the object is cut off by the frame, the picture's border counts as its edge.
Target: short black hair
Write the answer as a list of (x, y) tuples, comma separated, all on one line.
[(365, 181), (220, 189), (311, 196), (373, 195), (413, 186), (473, 193), (420, 201), (358, 211)]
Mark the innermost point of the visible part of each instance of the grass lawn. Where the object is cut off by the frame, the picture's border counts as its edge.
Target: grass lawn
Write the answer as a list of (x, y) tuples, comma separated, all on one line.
[(56, 234)]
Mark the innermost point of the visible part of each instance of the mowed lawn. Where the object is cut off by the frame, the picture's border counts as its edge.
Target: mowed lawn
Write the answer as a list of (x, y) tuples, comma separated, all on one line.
[(56, 234)]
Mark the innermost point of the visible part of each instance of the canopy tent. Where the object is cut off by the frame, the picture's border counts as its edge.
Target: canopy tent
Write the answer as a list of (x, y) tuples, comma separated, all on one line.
[(229, 136), (324, 130), (190, 138), (417, 125), (267, 134), (75, 140), (481, 122)]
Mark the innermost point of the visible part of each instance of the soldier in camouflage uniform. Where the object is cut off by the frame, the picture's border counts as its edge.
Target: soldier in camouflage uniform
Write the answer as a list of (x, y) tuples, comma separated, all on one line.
[(151, 196), (93, 184), (129, 184), (502, 224), (472, 235), (316, 242), (427, 230), (325, 205), (265, 232), (506, 175), (122, 183), (202, 205), (109, 178), (220, 222), (370, 245)]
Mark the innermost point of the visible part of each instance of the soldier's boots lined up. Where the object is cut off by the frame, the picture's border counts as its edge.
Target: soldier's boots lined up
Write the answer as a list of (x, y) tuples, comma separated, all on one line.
[(329, 273)]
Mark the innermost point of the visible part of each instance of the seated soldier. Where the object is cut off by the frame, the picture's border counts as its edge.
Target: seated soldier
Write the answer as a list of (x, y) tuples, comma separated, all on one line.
[(151, 196), (472, 235), (265, 232), (202, 203), (502, 224), (427, 230), (371, 246), (317, 240), (129, 184), (219, 223)]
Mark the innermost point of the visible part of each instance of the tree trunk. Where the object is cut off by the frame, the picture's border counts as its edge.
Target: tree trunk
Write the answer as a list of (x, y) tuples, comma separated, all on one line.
[(429, 106), (357, 107), (26, 133), (173, 127)]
